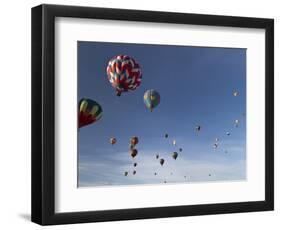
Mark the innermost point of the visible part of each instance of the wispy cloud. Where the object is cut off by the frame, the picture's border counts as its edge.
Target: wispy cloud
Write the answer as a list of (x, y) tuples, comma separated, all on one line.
[(110, 171)]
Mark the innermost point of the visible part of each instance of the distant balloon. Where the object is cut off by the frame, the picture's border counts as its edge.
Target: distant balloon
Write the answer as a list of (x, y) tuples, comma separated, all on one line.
[(135, 164), (228, 133), (112, 140), (174, 142), (198, 128), (165, 182), (134, 141), (216, 145), (155, 173), (180, 149), (217, 139), (236, 122), (151, 99), (209, 174), (175, 155), (162, 161), (134, 152), (166, 135), (235, 93), (157, 156), (89, 112), (134, 172), (125, 173), (124, 73)]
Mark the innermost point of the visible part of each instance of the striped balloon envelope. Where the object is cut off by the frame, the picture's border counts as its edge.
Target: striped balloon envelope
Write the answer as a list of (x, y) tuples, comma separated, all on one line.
[(123, 73)]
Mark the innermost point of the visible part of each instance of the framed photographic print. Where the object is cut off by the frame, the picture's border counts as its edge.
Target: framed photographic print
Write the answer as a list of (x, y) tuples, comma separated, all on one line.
[(141, 114)]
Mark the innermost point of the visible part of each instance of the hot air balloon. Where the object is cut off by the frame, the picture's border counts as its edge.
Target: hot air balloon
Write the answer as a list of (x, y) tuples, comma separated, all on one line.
[(134, 141), (236, 122), (174, 142), (135, 164), (165, 182), (134, 152), (89, 112), (216, 145), (112, 140), (134, 172), (228, 133), (235, 93), (125, 173), (175, 155), (198, 128), (157, 156), (180, 149), (162, 161), (124, 73), (151, 99), (155, 174), (217, 139), (166, 135)]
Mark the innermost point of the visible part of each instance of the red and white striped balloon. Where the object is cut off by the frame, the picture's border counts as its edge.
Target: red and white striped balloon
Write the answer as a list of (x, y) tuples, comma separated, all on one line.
[(124, 73)]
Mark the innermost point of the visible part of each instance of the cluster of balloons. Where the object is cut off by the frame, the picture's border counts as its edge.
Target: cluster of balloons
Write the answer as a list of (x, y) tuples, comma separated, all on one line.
[(174, 155), (133, 151), (236, 124), (124, 74)]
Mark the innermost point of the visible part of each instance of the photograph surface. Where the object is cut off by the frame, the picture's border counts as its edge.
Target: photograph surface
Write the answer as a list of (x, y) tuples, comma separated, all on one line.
[(160, 114)]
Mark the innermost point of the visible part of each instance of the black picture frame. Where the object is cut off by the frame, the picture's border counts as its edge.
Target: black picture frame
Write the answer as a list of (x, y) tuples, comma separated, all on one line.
[(43, 110)]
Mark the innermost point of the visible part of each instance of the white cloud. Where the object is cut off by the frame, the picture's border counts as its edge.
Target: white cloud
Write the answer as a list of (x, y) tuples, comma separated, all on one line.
[(111, 170)]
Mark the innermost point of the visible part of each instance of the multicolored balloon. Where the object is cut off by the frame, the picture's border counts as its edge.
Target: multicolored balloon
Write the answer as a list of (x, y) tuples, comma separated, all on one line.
[(151, 99), (175, 155), (124, 73), (89, 112), (134, 141), (113, 140), (133, 152)]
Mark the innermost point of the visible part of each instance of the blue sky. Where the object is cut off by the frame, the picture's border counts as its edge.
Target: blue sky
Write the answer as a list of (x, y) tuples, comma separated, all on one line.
[(196, 86)]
